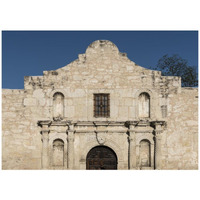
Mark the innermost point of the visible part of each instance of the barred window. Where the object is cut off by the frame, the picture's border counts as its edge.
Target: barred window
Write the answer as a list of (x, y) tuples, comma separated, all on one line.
[(101, 105)]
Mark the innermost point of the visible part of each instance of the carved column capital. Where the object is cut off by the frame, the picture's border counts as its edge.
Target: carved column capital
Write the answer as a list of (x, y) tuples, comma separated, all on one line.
[(158, 134), (70, 138), (44, 123), (70, 134), (45, 135), (45, 132), (131, 131), (131, 139), (158, 128), (71, 126), (132, 125), (131, 135)]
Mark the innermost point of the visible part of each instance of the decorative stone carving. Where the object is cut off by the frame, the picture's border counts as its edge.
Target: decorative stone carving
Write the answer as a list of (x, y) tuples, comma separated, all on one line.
[(59, 118), (101, 137)]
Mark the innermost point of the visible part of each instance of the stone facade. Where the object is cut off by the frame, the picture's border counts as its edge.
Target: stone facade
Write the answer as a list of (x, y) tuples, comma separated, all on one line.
[(50, 124)]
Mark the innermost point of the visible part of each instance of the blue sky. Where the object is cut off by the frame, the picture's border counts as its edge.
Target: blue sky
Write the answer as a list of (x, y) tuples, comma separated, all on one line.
[(29, 53)]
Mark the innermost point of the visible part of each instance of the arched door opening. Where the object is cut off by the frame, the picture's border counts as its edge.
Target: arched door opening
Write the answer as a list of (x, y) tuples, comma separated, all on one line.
[(101, 158)]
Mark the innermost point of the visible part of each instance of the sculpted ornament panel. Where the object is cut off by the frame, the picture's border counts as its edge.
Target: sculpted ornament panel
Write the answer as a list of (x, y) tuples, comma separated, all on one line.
[(101, 137)]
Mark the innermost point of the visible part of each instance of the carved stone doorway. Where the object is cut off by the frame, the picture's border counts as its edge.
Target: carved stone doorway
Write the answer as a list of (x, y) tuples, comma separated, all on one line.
[(101, 158)]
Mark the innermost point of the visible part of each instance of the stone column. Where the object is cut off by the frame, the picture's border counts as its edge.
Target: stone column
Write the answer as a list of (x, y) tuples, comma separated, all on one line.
[(45, 143), (45, 149), (132, 150), (70, 151), (158, 138)]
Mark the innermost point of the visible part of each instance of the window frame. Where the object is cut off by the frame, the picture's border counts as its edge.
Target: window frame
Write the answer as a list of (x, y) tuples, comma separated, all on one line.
[(101, 107)]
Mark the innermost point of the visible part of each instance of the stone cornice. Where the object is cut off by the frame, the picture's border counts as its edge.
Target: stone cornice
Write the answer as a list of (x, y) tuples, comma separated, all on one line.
[(159, 122), (131, 125), (60, 123), (109, 123), (54, 123), (96, 131), (144, 123), (143, 131), (81, 123), (44, 122)]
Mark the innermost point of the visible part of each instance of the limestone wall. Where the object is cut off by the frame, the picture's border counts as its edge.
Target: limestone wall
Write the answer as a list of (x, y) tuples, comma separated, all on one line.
[(181, 137), (21, 140), (102, 69)]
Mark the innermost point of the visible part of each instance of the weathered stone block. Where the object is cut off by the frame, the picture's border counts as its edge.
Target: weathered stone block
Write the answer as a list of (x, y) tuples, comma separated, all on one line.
[(30, 102)]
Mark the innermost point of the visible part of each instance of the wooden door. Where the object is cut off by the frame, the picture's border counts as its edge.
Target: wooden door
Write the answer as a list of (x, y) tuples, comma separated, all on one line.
[(101, 158)]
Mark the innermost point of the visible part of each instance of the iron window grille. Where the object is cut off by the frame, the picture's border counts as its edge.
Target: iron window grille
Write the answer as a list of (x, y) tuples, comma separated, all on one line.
[(101, 105)]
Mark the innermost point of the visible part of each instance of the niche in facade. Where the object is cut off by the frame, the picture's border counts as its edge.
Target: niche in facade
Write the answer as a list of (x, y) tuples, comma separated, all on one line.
[(145, 153), (144, 105), (58, 106), (164, 111), (58, 153)]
